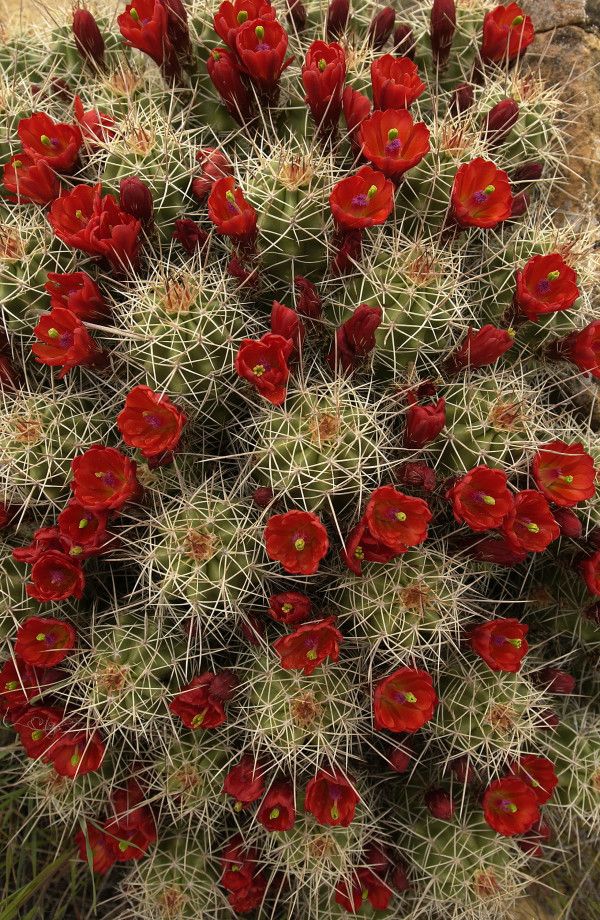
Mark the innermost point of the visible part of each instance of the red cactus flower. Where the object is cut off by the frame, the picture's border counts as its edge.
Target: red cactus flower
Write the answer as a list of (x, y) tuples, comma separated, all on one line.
[(440, 804), (245, 782), (510, 806), (200, 703), (214, 164), (362, 200), (229, 211), (356, 107), (323, 75), (481, 195), (331, 798), (404, 700), (132, 829), (393, 142), (96, 127), (30, 181), (82, 533), (507, 33), (309, 646), (241, 876), (277, 811), (44, 539), (225, 74), (538, 773), (264, 364), (581, 348), (99, 844), (290, 608), (35, 727), (261, 46), (54, 143), (144, 25), (74, 752), (423, 424), (501, 643), (366, 887), (590, 569), (396, 519), (546, 284), (361, 546), (77, 293), (554, 680), (481, 499), (479, 348), (190, 235), (231, 16), (20, 683), (395, 81), (104, 479), (355, 338), (63, 341), (298, 540), (531, 524), (55, 577), (286, 323), (564, 473), (150, 422), (44, 641), (308, 303)]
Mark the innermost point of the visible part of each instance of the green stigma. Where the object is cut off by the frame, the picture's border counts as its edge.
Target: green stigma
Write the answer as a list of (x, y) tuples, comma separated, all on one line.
[(40, 637), (198, 720), (134, 14), (489, 500), (299, 544), (123, 844), (75, 760), (17, 164), (322, 64), (37, 734), (516, 643), (287, 608), (400, 516), (76, 551), (83, 523), (274, 814), (238, 806), (11, 685), (359, 553), (334, 812), (410, 697), (553, 276), (242, 16), (79, 214), (53, 333), (258, 370), (45, 140), (392, 134), (372, 191), (518, 21), (259, 32), (533, 527), (311, 655), (567, 479), (489, 189)]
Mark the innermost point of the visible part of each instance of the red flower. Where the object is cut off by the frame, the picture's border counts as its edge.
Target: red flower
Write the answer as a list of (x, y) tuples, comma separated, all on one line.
[(480, 499), (356, 107), (245, 782), (355, 339), (144, 25), (190, 234), (331, 798), (361, 546), (546, 284), (290, 608), (392, 141), (277, 811), (241, 876), (104, 479), (479, 348), (133, 828), (97, 128), (52, 142), (54, 577), (538, 773), (100, 846), (423, 424), (30, 181), (309, 646), (417, 474), (298, 540), (43, 539), (82, 533), (35, 726), (225, 75), (84, 220), (404, 701), (440, 804), (366, 887), (530, 524), (308, 303), (19, 684), (150, 421), (564, 472), (507, 32), (396, 519), (582, 349), (64, 342), (77, 293), (510, 806), (75, 752), (362, 200), (231, 16), (44, 641), (323, 75), (264, 364), (500, 643), (200, 703), (481, 195), (286, 323), (229, 211), (590, 569), (214, 164), (261, 46), (396, 82)]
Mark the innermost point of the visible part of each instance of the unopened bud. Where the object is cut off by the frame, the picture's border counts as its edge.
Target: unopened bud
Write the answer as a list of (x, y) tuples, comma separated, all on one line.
[(263, 497), (337, 18), (297, 14), (443, 26), (556, 681), (382, 26), (88, 37), (440, 804), (520, 204), (500, 121), (404, 41), (136, 199), (462, 99), (528, 172), (569, 523)]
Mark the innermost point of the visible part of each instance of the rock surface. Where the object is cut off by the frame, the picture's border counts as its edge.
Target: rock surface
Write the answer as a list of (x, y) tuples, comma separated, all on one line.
[(554, 14)]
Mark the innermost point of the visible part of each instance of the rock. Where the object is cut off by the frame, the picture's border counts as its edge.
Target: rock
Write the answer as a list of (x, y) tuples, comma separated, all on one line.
[(553, 14)]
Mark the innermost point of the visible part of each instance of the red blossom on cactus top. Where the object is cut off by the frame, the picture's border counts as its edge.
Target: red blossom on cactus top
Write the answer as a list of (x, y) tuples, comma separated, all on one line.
[(393, 142), (54, 143), (77, 293), (309, 646), (481, 195), (241, 876), (263, 363), (396, 82), (277, 811), (229, 211), (565, 473), (546, 284), (298, 540), (245, 781), (104, 479), (44, 539), (286, 323), (96, 127), (231, 16), (331, 798), (200, 703), (538, 773), (144, 25), (366, 887), (99, 844), (590, 569), (224, 72), (74, 752), (355, 338), (30, 181), (362, 200), (82, 532), (356, 107), (424, 424), (214, 165), (63, 341), (44, 641), (261, 46), (361, 546), (510, 806), (582, 349), (290, 608), (132, 828), (481, 499), (479, 348), (55, 577), (150, 421), (20, 683), (501, 643), (507, 32), (397, 520), (531, 524), (404, 700), (35, 726), (323, 75)]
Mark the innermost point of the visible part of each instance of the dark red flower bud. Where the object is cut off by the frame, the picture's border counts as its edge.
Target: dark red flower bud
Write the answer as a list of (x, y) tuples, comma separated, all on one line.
[(547, 719), (214, 165), (297, 14), (382, 26), (479, 348), (308, 303), (88, 37), (569, 523), (337, 18), (556, 681), (225, 74), (355, 338), (136, 199), (463, 770), (399, 758), (356, 107), (286, 323), (463, 98), (399, 878), (404, 41), (500, 121), (520, 205), (443, 26), (423, 424), (581, 348), (440, 804), (528, 172), (531, 842), (592, 613), (190, 234), (177, 26), (10, 375), (348, 252), (417, 474), (263, 497)]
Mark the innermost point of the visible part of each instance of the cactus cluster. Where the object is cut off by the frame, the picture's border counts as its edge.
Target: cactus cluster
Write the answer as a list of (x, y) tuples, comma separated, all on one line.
[(300, 558)]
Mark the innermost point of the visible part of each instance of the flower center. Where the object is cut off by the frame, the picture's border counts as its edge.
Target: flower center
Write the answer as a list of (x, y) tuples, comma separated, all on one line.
[(56, 576), (509, 807), (79, 214), (287, 608), (198, 719), (11, 685), (107, 476), (517, 21), (274, 814), (299, 544), (83, 523), (532, 527), (481, 196), (400, 516), (401, 697), (153, 420), (322, 64), (232, 206), (258, 370), (242, 16), (359, 553)]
